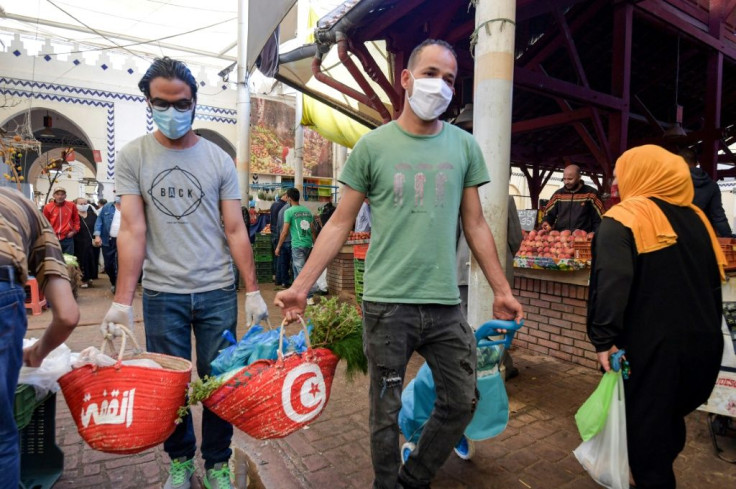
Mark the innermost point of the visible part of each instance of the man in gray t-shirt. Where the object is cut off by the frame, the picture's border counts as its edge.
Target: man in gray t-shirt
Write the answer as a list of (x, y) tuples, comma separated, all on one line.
[(181, 222), (283, 259)]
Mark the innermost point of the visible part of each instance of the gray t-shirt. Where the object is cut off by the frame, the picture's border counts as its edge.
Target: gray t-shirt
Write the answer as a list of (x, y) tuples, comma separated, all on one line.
[(280, 226), (186, 249)]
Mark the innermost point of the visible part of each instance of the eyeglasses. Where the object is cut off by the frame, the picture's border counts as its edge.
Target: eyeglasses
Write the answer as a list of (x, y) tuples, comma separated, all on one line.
[(182, 105)]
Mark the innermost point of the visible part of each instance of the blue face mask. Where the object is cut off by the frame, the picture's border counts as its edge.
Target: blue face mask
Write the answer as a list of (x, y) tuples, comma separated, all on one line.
[(172, 123)]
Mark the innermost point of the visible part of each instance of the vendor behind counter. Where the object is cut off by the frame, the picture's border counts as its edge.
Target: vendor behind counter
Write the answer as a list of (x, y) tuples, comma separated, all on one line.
[(574, 206)]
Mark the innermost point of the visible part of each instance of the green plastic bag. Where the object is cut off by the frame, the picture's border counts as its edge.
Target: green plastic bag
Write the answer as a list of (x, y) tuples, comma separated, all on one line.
[(592, 415)]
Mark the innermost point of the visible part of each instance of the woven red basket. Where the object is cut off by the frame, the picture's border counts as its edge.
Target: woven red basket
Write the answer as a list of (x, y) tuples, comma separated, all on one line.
[(124, 408), (272, 399)]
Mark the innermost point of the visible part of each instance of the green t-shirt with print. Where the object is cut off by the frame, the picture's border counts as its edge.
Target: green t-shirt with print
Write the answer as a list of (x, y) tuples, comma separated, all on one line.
[(300, 226), (415, 186)]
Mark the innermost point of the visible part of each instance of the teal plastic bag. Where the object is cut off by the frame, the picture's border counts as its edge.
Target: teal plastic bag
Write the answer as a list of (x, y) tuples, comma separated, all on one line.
[(592, 415)]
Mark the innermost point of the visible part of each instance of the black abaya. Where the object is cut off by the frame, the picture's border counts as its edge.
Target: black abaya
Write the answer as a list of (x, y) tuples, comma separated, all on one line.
[(664, 309)]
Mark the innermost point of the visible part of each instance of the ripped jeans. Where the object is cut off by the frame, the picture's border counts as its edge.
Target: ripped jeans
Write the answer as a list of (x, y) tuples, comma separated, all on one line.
[(391, 333)]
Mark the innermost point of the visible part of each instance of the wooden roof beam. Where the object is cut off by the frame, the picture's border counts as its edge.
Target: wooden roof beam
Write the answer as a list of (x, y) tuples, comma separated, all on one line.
[(548, 121), (663, 13), (552, 87)]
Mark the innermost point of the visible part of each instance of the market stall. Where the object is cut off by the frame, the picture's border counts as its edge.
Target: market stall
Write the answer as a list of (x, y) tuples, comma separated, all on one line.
[(341, 271), (551, 274)]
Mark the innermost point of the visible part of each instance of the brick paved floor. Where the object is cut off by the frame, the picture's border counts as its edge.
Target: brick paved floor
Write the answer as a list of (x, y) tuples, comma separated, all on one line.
[(333, 452)]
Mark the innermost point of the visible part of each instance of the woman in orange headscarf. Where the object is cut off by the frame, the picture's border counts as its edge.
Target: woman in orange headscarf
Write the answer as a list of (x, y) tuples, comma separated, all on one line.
[(655, 291)]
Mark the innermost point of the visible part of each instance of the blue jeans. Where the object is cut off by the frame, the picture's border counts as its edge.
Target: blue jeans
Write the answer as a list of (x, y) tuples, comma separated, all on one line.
[(299, 258), (170, 319), (110, 257), (283, 264), (67, 245), (13, 325), (391, 333)]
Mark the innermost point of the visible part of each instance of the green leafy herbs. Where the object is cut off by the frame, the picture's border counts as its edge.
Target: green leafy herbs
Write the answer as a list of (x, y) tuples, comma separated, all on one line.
[(199, 390), (339, 328)]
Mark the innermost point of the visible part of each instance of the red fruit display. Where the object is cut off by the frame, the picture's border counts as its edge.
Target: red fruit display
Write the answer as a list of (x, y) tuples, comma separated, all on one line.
[(552, 244)]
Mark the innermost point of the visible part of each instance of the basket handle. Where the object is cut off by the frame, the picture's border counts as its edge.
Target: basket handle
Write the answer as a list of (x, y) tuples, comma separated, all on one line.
[(126, 333), (281, 337)]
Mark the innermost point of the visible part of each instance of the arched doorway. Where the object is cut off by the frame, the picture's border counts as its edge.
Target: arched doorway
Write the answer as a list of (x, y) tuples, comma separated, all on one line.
[(218, 139), (55, 132)]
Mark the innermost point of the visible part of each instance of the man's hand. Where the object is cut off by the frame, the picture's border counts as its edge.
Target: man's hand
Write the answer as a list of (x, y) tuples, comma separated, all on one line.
[(256, 309), (118, 314), (507, 307), (604, 357), (292, 303), (97, 242), (277, 251), (32, 356)]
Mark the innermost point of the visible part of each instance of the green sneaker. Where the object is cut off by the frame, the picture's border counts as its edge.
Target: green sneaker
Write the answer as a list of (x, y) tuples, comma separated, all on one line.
[(218, 477), (180, 474)]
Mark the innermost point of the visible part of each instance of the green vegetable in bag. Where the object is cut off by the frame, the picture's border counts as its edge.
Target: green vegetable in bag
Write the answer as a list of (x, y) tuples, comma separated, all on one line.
[(592, 415)]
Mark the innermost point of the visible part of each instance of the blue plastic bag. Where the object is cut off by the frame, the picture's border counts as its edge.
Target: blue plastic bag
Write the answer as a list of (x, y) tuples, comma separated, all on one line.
[(237, 354), (255, 345)]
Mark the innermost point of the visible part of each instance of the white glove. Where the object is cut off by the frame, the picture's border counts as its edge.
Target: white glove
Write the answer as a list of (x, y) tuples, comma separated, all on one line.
[(255, 308), (118, 314)]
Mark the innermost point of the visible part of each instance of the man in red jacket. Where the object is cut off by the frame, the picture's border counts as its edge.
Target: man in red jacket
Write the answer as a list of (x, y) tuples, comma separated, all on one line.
[(64, 218)]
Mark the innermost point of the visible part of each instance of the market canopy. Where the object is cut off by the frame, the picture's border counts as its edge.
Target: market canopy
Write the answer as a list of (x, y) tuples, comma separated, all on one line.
[(193, 31), (591, 77)]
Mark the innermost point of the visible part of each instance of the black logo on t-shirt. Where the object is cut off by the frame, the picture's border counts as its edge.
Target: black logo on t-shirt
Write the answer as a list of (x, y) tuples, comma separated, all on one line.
[(176, 192)]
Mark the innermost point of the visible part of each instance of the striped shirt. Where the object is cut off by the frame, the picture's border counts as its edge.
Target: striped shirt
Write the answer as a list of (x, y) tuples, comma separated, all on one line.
[(27, 240)]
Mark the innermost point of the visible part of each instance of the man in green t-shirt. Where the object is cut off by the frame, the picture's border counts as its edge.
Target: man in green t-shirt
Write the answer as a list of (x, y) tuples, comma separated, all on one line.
[(420, 175), (299, 224)]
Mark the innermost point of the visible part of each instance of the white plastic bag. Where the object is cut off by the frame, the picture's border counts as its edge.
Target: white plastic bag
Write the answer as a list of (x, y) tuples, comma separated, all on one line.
[(321, 284), (605, 456), (91, 356), (44, 378)]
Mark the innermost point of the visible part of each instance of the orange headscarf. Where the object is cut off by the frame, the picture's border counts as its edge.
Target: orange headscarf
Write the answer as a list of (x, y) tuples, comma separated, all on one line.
[(652, 171)]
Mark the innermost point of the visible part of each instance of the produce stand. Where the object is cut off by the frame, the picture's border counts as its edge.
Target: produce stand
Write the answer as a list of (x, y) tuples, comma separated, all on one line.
[(341, 271), (551, 276)]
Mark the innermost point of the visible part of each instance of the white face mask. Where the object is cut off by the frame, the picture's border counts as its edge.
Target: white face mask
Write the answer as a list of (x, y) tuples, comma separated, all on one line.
[(430, 97), (82, 208)]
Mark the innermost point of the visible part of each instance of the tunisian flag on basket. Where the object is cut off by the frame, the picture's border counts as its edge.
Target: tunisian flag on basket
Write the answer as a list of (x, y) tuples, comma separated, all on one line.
[(274, 398)]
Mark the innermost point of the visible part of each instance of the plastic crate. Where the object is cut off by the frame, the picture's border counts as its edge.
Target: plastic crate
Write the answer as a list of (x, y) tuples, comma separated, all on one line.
[(263, 257), (41, 460), (359, 251), (263, 240), (264, 279), (358, 271), (728, 246), (25, 404)]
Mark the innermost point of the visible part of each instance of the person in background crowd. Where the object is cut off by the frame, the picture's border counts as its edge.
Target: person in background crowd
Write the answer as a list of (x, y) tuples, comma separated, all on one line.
[(666, 317), (100, 204), (411, 299), (64, 218), (299, 224), (85, 251), (274, 218), (363, 221), (181, 222), (283, 257), (574, 206), (28, 245), (707, 195), (106, 231)]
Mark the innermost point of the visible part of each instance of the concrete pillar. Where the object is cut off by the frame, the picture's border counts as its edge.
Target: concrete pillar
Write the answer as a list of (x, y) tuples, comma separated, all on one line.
[(298, 145), (242, 154), (494, 68)]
